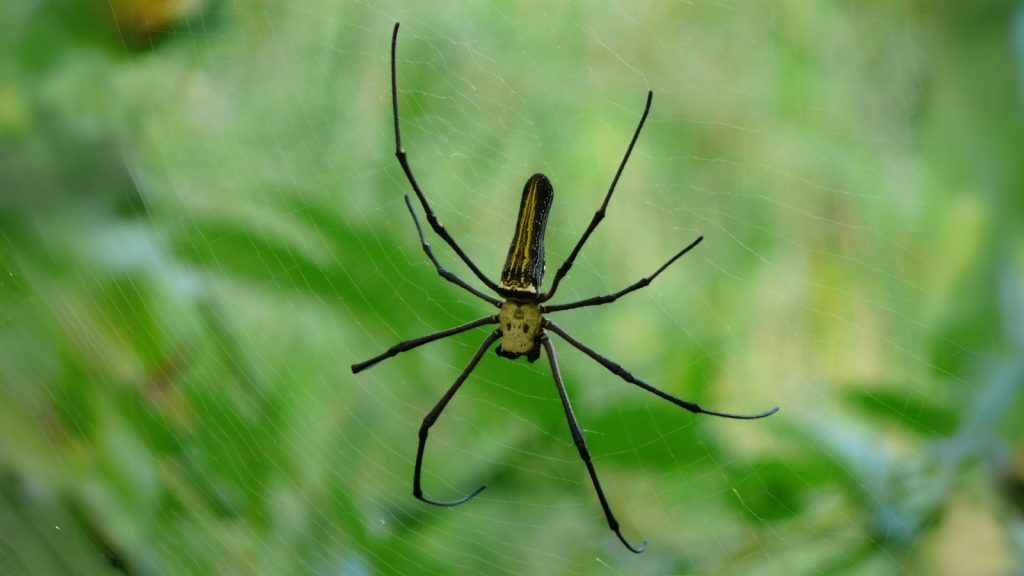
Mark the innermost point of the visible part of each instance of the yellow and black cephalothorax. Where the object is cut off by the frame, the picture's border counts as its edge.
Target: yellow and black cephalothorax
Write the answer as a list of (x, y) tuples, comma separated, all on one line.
[(524, 267)]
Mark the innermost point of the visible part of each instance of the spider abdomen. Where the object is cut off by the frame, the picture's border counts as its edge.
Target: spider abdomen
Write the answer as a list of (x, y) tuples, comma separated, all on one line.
[(519, 325), (524, 267)]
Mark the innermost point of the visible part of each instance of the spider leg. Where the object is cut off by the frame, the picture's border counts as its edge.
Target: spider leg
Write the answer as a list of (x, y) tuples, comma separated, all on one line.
[(440, 269), (625, 375), (598, 300), (599, 215), (410, 344), (417, 491), (581, 445), (400, 154)]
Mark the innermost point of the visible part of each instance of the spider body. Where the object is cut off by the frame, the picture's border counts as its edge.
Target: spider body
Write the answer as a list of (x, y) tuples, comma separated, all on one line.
[(520, 317), (522, 325)]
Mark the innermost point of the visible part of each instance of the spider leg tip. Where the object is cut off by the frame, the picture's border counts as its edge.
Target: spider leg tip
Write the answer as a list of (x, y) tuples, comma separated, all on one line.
[(627, 545), (763, 414), (449, 504), (357, 368)]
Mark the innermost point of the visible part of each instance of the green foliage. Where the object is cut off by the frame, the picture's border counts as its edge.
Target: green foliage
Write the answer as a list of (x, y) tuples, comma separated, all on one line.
[(202, 228)]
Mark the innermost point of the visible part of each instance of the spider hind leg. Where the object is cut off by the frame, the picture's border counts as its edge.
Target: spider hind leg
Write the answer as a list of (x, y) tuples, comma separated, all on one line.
[(581, 446)]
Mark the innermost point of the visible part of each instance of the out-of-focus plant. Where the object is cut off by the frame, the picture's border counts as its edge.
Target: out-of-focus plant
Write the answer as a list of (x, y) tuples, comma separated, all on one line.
[(189, 261)]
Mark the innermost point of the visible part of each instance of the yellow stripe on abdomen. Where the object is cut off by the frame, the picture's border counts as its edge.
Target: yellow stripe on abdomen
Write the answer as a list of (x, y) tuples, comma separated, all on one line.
[(525, 263)]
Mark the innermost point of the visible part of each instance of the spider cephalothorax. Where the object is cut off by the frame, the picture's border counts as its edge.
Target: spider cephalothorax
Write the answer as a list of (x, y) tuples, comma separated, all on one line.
[(520, 330), (521, 322)]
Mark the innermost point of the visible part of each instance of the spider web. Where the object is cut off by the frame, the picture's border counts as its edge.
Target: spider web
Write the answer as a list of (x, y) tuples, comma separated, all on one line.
[(278, 252)]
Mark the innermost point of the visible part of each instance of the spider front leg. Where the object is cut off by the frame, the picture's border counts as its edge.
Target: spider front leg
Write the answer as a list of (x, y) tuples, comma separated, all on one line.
[(598, 300), (581, 445), (440, 269), (400, 154), (410, 344), (599, 215), (432, 417)]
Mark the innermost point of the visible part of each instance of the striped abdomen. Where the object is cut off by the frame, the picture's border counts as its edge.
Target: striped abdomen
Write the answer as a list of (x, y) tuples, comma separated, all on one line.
[(524, 267)]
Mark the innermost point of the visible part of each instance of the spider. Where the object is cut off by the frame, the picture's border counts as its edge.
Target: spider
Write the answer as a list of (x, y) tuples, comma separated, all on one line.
[(522, 325)]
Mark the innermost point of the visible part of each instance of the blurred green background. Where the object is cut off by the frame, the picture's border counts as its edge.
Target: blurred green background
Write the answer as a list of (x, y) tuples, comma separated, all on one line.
[(202, 228)]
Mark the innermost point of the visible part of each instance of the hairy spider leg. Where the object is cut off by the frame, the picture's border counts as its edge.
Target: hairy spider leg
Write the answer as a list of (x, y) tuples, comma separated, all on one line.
[(415, 342), (599, 215), (440, 269), (581, 445), (417, 491), (598, 300), (400, 154), (625, 375)]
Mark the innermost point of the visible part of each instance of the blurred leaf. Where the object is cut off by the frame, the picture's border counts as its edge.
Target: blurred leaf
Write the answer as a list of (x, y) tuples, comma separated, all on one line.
[(925, 415)]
